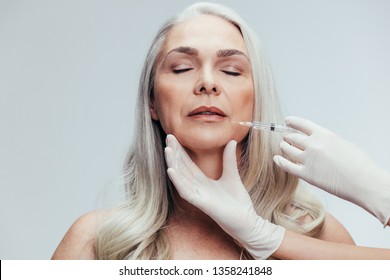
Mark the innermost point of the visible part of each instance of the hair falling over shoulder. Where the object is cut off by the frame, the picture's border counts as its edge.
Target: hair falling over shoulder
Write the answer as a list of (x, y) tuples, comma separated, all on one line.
[(135, 229)]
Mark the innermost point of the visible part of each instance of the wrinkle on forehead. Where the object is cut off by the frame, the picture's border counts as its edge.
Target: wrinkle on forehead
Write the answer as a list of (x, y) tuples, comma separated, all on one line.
[(183, 30)]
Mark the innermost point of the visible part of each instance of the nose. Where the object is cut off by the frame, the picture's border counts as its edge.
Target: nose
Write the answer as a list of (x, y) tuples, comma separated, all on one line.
[(207, 85)]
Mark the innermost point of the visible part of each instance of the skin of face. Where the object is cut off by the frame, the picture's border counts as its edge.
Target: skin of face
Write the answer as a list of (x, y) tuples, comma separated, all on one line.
[(203, 84)]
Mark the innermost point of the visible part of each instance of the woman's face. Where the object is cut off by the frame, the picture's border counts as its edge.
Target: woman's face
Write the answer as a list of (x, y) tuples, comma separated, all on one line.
[(204, 84)]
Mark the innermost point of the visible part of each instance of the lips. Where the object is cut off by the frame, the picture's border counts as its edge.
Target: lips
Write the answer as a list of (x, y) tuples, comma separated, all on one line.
[(207, 111)]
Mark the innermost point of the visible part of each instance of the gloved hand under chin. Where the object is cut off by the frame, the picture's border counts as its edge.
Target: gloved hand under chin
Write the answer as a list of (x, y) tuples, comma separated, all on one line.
[(225, 200), (327, 161)]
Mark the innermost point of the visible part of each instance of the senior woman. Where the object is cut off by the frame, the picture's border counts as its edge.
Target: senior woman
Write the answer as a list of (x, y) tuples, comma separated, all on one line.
[(204, 72)]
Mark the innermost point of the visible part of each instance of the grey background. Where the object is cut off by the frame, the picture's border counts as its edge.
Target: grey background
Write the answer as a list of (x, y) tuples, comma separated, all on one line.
[(68, 78)]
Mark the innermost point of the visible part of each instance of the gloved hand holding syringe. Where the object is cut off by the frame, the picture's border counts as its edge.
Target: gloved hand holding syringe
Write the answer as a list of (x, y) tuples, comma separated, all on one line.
[(331, 163), (325, 160)]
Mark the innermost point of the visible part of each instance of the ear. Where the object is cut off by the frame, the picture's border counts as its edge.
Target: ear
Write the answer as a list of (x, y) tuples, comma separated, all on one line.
[(152, 109)]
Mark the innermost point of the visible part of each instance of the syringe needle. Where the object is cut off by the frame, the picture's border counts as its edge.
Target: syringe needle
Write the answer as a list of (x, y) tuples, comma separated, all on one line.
[(268, 126)]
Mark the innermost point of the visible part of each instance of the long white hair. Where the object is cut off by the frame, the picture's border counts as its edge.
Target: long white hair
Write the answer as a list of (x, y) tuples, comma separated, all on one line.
[(135, 229)]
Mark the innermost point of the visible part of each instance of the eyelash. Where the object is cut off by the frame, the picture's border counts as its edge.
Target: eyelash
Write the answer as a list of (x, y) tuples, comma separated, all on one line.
[(178, 71), (230, 73)]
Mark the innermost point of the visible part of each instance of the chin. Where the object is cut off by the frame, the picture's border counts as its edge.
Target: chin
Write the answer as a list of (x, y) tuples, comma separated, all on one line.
[(208, 139)]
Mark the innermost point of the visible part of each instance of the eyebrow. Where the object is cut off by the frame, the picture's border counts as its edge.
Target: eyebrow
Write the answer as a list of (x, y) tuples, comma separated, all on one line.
[(229, 52), (195, 52), (185, 50)]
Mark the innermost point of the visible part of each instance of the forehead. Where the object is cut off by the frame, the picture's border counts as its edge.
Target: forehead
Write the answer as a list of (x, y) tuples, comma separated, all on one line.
[(205, 32)]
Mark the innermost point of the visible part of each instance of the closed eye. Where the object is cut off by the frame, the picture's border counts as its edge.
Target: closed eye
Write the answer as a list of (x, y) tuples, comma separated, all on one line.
[(231, 73), (178, 71)]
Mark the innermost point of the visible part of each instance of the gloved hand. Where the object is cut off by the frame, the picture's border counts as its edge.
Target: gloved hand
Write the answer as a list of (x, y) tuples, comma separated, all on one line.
[(226, 200), (327, 161)]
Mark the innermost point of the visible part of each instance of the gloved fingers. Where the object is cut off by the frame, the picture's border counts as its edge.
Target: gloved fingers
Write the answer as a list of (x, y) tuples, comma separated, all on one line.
[(230, 169), (169, 157), (291, 152), (230, 181), (297, 139), (197, 191), (176, 162), (300, 124), (185, 188), (190, 181), (183, 160), (288, 166)]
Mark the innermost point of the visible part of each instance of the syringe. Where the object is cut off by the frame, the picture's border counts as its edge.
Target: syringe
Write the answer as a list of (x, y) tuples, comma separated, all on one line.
[(269, 126)]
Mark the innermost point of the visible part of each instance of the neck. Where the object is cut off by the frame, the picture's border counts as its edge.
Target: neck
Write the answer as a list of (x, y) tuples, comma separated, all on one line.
[(208, 161)]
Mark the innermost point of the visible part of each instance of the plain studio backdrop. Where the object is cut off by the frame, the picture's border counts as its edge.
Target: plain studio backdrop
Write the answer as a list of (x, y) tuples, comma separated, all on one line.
[(68, 80)]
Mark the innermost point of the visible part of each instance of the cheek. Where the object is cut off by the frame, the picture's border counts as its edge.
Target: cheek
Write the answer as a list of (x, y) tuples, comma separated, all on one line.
[(242, 109), (244, 102), (168, 104), (249, 100), (162, 96)]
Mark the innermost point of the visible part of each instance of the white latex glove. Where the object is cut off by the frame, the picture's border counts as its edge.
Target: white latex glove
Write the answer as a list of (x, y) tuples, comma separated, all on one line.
[(226, 200), (327, 161)]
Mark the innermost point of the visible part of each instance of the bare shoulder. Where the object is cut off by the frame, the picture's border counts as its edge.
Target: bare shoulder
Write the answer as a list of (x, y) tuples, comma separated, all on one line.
[(334, 231), (79, 241)]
